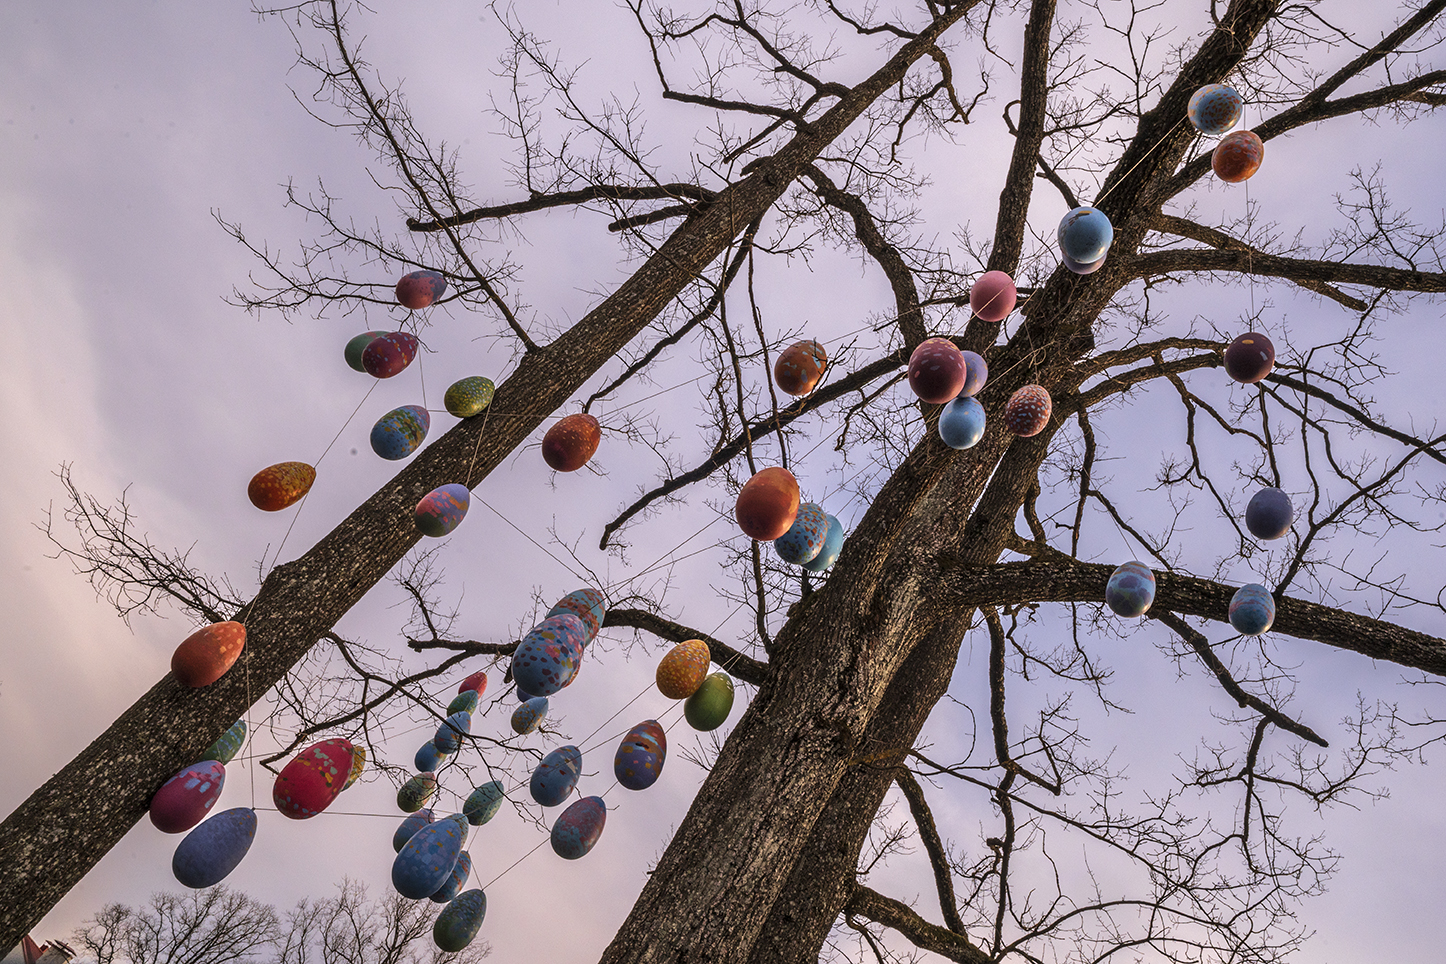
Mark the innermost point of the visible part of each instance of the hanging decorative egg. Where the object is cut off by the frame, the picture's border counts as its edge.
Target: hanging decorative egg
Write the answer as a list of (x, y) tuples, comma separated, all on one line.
[(1238, 156), (570, 443), (767, 504), (358, 765), (1215, 108), (461, 870), (477, 683), (529, 715), (310, 782), (278, 486), (1131, 589), (429, 758), (214, 848), (460, 921), (708, 708), (640, 757), (427, 858), (1080, 268), (1028, 411), (804, 539), (483, 803), (450, 732), (993, 296), (522, 695), (1085, 235), (682, 670), (398, 433), (556, 775), (833, 541), (1249, 358), (1269, 514), (414, 794), (464, 702), (409, 827), (420, 289), (204, 656), (469, 396), (578, 828), (357, 346), (224, 750), (799, 367), (1252, 609), (390, 354), (549, 656), (589, 605), (443, 509), (937, 371), (961, 423), (184, 800), (976, 373)]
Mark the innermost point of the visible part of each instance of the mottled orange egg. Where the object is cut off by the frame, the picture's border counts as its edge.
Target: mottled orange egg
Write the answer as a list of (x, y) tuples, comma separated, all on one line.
[(1237, 157), (800, 367), (681, 672), (570, 443), (768, 504), (205, 655), (280, 485)]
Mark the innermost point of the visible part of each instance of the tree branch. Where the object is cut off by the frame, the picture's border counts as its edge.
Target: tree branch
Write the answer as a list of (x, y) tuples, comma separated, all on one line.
[(868, 903), (737, 664)]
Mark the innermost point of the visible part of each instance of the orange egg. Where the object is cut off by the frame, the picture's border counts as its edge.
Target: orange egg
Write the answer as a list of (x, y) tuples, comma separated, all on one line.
[(800, 367), (768, 504), (1237, 157), (280, 485), (205, 655), (681, 672), (569, 444)]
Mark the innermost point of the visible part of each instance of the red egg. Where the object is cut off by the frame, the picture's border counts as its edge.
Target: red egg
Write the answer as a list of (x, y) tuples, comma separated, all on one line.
[(186, 798), (1237, 156), (204, 656), (1249, 358), (1028, 411), (569, 444), (278, 486), (768, 504), (993, 296), (937, 371), (420, 288), (800, 367), (390, 354), (310, 782), (477, 682)]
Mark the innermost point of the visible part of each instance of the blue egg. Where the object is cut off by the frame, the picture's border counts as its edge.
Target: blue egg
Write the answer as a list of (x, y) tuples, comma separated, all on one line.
[(529, 715), (427, 858), (428, 758), (409, 828), (976, 373), (1131, 589), (556, 775), (461, 870), (550, 655), (961, 423), (1085, 235), (483, 803), (804, 539), (214, 848), (641, 755), (442, 510), (589, 605), (578, 828), (450, 733), (522, 695), (1269, 514), (832, 546), (460, 921), (398, 433), (1079, 268), (1215, 108), (1252, 609)]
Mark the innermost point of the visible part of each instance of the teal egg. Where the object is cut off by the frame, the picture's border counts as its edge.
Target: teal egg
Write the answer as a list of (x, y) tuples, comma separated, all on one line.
[(529, 715), (483, 803), (459, 923), (225, 749), (469, 397), (833, 542), (398, 433)]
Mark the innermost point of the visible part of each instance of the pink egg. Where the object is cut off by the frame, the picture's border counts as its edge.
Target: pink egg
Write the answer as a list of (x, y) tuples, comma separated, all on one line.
[(993, 296)]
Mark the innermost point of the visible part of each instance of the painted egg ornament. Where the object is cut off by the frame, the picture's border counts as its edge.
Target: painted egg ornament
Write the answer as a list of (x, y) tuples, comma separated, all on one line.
[(310, 782), (767, 504), (204, 656), (464, 702), (587, 605), (469, 396), (358, 766), (420, 289), (281, 485), (477, 683), (804, 539), (833, 541), (683, 669), (390, 354), (556, 775), (224, 750), (522, 695), (1237, 157), (214, 848), (1085, 235), (414, 794), (1269, 514), (800, 367), (358, 345), (483, 803), (1028, 411), (450, 732), (429, 757), (570, 443), (398, 433), (1249, 358), (961, 423), (409, 827), (1252, 609), (529, 715), (976, 373), (426, 860), (184, 800), (709, 706), (461, 870), (1215, 108), (937, 371), (993, 296), (443, 509), (1082, 268), (549, 656), (640, 757), (459, 922), (578, 828), (1131, 589)]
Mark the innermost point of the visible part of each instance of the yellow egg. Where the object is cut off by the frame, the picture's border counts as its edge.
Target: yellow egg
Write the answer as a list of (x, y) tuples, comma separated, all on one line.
[(681, 672)]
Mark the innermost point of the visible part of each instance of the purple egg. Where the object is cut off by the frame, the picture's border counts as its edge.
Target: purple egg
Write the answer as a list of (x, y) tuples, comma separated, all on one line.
[(640, 756), (1131, 589), (390, 354), (184, 800), (1249, 358), (976, 373), (398, 433), (443, 509), (1252, 609), (1269, 514), (461, 870), (428, 857), (215, 848), (578, 828), (409, 827), (804, 539), (556, 775)]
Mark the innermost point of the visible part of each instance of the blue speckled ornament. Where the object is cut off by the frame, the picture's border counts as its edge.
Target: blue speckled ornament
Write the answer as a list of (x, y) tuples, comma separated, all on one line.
[(450, 732), (1131, 589), (556, 775), (461, 870), (427, 859), (1252, 609), (578, 828), (483, 803), (443, 509), (804, 539), (1085, 235), (460, 921), (213, 849), (550, 655), (833, 542), (587, 605), (409, 827), (1269, 514), (529, 715), (641, 755), (398, 433), (429, 757), (1215, 108), (961, 423)]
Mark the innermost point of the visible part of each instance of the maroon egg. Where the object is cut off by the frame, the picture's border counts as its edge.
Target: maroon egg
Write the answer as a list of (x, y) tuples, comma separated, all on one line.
[(390, 354), (768, 504), (310, 782), (1250, 358), (204, 656), (569, 444), (937, 371), (1028, 411), (185, 799), (993, 296), (1238, 156), (800, 367), (420, 288)]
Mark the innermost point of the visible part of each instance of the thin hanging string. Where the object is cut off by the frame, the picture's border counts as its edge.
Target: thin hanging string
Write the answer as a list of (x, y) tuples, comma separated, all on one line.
[(570, 571), (1168, 134)]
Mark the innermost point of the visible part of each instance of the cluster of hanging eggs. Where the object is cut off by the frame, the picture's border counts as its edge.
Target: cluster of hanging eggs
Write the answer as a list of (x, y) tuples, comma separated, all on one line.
[(1213, 110), (213, 847), (770, 509)]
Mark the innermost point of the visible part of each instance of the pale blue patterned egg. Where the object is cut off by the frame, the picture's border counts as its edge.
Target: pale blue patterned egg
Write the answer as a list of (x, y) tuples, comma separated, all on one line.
[(804, 539), (832, 545), (556, 775), (398, 433), (529, 715), (1131, 589), (450, 732), (549, 656)]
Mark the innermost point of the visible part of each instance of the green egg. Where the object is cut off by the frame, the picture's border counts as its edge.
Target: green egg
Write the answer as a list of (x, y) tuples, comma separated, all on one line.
[(469, 396), (711, 703)]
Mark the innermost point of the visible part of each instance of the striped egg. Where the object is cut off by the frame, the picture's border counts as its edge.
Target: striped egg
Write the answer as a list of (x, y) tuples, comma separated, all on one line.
[(224, 750), (1252, 610), (358, 765)]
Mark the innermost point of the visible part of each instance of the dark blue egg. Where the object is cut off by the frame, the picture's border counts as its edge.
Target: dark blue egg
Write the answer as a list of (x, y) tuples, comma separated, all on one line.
[(426, 860), (1252, 609), (461, 870), (483, 803), (529, 715), (442, 510), (460, 921), (1131, 589), (550, 655), (832, 545), (398, 433), (213, 849), (1085, 234), (450, 732), (804, 539), (522, 695), (641, 755), (1269, 514), (429, 757), (578, 828), (961, 423), (409, 827), (556, 775)]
